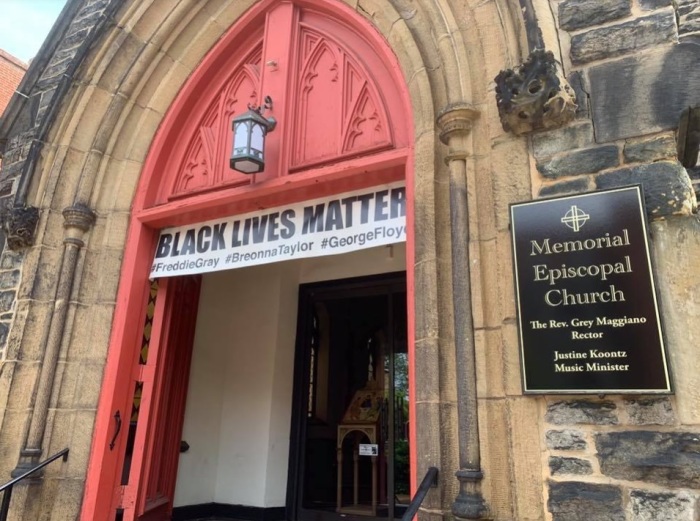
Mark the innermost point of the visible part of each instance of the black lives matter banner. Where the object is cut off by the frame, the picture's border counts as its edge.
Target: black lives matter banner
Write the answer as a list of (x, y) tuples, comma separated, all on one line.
[(587, 305), (340, 224)]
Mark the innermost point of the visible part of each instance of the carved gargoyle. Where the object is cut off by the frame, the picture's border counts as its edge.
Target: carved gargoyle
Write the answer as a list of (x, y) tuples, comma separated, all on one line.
[(19, 224), (535, 95)]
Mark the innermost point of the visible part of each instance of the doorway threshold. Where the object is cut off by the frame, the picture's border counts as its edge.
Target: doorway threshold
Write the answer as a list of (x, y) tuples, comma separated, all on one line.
[(224, 512)]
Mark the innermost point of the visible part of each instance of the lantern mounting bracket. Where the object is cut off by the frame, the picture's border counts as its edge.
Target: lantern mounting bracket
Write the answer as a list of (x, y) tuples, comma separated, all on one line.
[(260, 109)]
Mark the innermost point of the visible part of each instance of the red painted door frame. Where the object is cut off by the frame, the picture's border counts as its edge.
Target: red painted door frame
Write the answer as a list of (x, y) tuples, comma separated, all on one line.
[(165, 377), (102, 490)]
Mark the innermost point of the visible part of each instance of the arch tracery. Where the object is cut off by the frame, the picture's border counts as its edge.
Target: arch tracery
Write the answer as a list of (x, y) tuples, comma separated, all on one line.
[(335, 97), (204, 164)]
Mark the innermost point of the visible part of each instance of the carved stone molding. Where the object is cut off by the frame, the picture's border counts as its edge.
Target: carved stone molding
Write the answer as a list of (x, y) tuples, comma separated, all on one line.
[(19, 224), (534, 95)]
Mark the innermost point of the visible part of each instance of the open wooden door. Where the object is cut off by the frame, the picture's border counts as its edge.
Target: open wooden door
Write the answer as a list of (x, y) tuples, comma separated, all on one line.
[(162, 379), (351, 391)]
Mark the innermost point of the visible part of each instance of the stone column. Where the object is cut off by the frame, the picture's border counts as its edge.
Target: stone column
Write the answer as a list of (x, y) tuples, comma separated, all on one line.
[(77, 220), (455, 123)]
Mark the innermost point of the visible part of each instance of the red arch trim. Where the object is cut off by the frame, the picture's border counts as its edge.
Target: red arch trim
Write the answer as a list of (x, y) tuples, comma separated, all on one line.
[(102, 481)]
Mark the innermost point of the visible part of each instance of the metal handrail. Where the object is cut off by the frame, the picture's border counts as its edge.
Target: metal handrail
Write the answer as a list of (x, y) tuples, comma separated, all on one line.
[(7, 487), (430, 480)]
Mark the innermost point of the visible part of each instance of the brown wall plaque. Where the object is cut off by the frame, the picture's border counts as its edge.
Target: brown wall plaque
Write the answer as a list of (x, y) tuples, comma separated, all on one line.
[(587, 306)]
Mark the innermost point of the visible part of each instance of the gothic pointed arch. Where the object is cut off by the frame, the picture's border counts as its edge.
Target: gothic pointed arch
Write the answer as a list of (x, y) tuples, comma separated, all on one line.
[(336, 97)]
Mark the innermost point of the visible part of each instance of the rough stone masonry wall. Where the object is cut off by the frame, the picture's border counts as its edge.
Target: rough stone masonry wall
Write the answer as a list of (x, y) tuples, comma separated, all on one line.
[(621, 459), (635, 65), (29, 118)]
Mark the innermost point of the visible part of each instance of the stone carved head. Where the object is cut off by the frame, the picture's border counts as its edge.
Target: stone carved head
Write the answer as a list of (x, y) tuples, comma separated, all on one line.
[(535, 95)]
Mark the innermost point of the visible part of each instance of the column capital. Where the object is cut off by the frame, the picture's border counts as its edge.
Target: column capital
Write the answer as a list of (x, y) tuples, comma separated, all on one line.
[(78, 216), (78, 219), (456, 121)]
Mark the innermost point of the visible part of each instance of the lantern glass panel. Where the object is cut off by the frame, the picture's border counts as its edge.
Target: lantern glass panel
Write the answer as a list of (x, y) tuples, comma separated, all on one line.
[(257, 140), (240, 138)]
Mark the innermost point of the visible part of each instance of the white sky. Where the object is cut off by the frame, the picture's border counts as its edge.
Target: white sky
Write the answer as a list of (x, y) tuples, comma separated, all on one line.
[(24, 25)]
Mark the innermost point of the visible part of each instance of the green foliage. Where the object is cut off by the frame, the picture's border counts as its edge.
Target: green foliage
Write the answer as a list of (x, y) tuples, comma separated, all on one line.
[(401, 468)]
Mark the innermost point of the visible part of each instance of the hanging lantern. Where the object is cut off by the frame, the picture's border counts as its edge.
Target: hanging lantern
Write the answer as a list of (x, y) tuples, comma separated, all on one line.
[(249, 131)]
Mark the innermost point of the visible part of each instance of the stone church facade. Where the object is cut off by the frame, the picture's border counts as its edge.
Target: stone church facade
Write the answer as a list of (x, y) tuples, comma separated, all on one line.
[(475, 105)]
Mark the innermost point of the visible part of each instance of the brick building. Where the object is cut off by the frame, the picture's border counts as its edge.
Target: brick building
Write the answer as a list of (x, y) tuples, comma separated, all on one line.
[(11, 72), (403, 137)]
